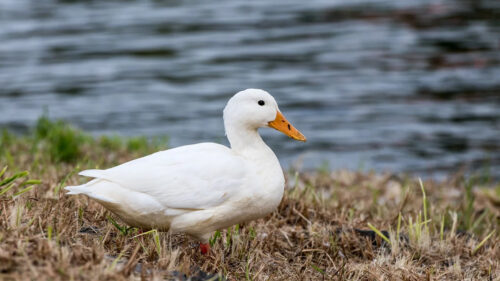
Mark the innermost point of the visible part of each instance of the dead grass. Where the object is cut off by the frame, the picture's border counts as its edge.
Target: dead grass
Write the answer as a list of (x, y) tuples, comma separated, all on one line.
[(319, 232)]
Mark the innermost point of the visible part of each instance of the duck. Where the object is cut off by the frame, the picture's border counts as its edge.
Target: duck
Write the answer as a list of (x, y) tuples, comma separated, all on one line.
[(200, 188)]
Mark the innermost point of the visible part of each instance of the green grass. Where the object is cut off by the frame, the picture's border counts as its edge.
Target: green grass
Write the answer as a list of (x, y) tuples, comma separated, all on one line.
[(58, 142)]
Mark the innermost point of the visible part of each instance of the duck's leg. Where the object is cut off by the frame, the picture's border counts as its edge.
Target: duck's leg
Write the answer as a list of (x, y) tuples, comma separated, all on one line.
[(204, 248)]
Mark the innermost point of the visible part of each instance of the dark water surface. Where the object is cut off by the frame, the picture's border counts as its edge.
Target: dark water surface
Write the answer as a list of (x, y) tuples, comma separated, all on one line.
[(404, 86)]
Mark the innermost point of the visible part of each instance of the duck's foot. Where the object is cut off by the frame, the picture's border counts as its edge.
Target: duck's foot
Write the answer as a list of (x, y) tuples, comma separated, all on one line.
[(204, 248)]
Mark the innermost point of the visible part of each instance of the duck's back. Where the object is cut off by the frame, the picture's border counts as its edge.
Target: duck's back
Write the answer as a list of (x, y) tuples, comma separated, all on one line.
[(187, 178)]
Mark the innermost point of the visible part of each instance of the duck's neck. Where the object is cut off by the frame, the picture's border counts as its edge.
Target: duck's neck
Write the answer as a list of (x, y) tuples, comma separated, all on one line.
[(248, 143)]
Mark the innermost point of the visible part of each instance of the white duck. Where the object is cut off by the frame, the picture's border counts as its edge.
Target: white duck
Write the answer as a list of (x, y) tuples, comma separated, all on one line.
[(200, 188)]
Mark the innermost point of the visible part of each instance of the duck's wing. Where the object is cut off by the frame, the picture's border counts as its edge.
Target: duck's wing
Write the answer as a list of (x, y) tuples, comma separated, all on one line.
[(197, 176)]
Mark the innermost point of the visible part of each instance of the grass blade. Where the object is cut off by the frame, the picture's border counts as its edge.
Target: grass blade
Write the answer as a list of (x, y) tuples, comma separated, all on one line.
[(398, 229), (144, 233), (379, 233), (13, 178), (441, 229), (32, 182), (315, 267), (156, 237), (424, 201), (49, 232), (214, 238), (23, 191), (115, 261), (123, 229), (3, 171), (6, 189), (483, 242)]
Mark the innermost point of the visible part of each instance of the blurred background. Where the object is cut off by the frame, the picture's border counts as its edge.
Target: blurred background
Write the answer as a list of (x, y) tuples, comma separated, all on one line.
[(400, 86)]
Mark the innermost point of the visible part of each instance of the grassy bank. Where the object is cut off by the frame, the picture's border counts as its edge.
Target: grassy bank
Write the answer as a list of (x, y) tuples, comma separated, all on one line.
[(330, 225)]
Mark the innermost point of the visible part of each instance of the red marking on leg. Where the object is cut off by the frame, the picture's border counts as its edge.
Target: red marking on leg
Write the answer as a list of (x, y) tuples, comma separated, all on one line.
[(204, 248)]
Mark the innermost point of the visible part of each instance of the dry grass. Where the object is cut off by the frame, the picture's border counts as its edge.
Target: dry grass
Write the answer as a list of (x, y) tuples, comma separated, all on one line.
[(321, 230)]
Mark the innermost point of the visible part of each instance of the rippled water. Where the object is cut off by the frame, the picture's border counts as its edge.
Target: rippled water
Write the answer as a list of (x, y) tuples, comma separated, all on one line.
[(389, 85)]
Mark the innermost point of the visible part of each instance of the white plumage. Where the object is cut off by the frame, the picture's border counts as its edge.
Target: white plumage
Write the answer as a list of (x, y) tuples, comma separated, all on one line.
[(200, 188)]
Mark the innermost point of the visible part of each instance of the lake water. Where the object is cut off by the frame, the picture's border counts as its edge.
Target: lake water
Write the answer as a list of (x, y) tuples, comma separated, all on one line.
[(401, 86)]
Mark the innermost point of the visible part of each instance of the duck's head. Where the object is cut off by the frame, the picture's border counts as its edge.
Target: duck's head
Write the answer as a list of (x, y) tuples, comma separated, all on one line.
[(255, 108)]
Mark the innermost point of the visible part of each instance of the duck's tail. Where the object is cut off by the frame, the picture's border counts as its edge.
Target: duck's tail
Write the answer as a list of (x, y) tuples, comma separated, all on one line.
[(97, 189), (75, 189), (90, 188), (80, 189)]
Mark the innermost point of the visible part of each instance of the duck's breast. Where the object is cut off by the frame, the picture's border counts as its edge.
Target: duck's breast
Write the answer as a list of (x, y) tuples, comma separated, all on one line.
[(260, 194)]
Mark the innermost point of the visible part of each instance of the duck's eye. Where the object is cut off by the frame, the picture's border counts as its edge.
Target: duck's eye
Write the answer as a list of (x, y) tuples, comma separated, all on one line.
[(261, 102)]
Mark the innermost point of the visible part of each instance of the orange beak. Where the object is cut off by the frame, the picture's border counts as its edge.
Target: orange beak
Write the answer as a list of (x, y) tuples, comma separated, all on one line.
[(281, 124)]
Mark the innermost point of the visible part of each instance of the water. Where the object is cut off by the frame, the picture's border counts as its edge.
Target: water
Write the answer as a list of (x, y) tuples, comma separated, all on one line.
[(401, 86)]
